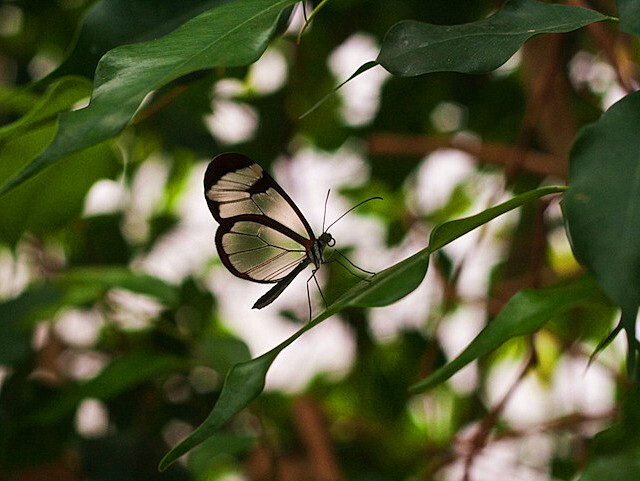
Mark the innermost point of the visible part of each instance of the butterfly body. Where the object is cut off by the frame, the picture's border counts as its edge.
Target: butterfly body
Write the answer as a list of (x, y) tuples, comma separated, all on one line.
[(263, 237)]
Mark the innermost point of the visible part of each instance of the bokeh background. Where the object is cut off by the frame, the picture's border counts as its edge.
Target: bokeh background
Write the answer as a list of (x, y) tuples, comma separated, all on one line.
[(102, 385)]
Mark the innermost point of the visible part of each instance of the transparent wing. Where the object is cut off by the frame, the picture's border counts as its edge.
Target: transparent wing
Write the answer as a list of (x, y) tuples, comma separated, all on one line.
[(235, 185), (258, 252)]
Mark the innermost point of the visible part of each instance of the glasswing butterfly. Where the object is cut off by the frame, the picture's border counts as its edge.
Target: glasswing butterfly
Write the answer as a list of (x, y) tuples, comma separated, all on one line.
[(263, 237)]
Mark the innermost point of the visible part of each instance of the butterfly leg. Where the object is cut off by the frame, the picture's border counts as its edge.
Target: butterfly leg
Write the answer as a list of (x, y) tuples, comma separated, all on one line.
[(357, 267), (313, 276), (309, 297), (346, 268)]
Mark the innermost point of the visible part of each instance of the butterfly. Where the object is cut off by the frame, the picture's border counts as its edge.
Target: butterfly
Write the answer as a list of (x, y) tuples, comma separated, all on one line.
[(263, 237)]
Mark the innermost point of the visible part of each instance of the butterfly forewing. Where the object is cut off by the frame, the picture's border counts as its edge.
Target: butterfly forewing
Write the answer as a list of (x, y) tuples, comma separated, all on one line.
[(235, 185)]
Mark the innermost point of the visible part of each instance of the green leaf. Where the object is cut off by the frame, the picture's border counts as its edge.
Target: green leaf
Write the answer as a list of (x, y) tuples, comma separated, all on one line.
[(17, 99), (242, 385), (629, 13), (614, 454), (245, 381), (413, 48), (602, 203), (110, 23), (525, 313), (450, 231), (233, 34), (48, 202), (602, 207), (119, 375), (621, 466)]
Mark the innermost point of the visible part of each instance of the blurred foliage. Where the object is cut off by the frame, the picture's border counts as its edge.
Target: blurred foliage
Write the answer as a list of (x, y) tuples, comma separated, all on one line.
[(164, 365)]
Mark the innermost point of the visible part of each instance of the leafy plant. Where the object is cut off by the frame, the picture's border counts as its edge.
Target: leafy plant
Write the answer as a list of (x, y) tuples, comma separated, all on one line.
[(150, 80)]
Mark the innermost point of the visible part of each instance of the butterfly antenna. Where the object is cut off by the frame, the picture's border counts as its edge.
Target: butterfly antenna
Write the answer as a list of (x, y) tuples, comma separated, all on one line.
[(354, 207), (324, 214)]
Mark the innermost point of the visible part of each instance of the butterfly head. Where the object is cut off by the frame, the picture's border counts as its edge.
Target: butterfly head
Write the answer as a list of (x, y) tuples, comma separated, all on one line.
[(326, 239), (317, 249)]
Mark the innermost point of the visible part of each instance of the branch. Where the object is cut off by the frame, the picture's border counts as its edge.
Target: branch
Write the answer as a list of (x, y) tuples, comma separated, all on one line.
[(491, 153)]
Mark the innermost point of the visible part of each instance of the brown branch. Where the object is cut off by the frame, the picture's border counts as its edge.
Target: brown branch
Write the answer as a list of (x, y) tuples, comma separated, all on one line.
[(547, 113), (491, 153), (312, 429), (564, 423)]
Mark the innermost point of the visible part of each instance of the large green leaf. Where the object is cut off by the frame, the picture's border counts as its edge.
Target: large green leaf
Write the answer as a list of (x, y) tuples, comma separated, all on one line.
[(602, 206), (629, 13), (48, 202), (525, 313), (414, 48), (110, 23), (233, 34), (245, 381)]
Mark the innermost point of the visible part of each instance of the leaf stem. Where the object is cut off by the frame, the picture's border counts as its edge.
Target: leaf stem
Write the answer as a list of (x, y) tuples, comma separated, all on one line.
[(308, 20)]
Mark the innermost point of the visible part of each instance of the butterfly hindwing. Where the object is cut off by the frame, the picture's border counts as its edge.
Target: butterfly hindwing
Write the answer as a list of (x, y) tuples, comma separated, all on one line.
[(258, 252)]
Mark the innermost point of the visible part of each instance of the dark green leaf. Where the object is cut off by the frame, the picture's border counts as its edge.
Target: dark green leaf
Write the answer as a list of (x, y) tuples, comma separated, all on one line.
[(602, 204), (413, 48), (615, 452), (48, 202), (233, 34), (525, 313), (110, 23), (621, 466), (17, 99), (222, 352), (242, 385)]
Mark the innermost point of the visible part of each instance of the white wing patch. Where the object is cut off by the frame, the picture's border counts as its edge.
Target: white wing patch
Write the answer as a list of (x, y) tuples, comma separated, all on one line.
[(231, 194)]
